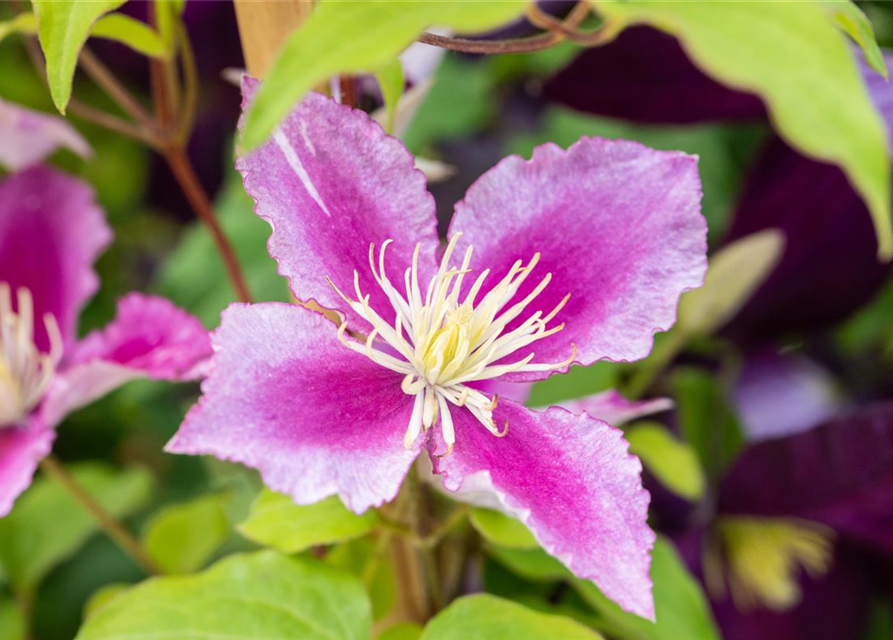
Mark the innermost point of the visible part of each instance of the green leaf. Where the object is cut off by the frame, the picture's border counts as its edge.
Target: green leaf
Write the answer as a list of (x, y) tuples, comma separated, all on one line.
[(103, 596), (135, 34), (576, 383), (262, 595), (167, 13), (22, 23), (681, 609), (12, 624), (62, 28), (404, 631), (390, 79), (533, 564), (501, 529), (47, 525), (487, 617), (733, 276), (276, 521), (350, 37), (799, 63), (183, 537), (673, 462), (706, 419), (364, 558), (846, 15)]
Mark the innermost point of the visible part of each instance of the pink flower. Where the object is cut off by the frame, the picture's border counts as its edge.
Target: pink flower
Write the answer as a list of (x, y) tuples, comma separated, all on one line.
[(51, 231), (601, 238)]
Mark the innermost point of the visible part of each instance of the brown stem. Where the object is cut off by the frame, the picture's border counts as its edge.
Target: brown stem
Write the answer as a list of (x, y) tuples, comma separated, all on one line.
[(102, 76), (111, 122), (567, 29), (115, 530), (185, 174), (513, 45), (348, 91), (162, 76), (146, 130)]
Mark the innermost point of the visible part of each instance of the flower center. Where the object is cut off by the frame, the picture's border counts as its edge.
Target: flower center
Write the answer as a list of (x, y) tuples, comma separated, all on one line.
[(441, 343), (25, 371)]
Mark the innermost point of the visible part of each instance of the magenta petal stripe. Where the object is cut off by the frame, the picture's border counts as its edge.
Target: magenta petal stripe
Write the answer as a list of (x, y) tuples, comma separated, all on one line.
[(571, 480), (284, 396), (51, 231)]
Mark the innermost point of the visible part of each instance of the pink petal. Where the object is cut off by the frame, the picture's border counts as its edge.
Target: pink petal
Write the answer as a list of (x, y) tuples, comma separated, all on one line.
[(149, 337), (27, 137), (21, 448), (330, 182), (287, 398), (618, 225), (571, 480), (51, 231), (615, 409)]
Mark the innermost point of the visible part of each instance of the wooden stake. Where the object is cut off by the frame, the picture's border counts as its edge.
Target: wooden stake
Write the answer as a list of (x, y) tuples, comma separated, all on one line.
[(264, 26)]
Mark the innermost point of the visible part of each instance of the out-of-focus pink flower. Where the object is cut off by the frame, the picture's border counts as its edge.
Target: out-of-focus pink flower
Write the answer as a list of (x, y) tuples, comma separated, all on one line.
[(51, 231)]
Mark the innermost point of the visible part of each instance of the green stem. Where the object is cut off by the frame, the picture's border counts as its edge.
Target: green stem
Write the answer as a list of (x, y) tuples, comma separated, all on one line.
[(663, 354)]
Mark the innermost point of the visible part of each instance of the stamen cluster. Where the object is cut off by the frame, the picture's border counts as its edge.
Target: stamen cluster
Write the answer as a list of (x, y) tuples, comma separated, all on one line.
[(441, 343), (25, 371)]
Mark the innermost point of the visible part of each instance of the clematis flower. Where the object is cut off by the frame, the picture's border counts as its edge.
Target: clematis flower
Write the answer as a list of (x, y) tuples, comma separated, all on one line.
[(51, 231), (575, 255)]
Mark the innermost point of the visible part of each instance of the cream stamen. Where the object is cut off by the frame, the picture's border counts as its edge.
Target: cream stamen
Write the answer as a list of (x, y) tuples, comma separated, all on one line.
[(25, 371), (442, 344)]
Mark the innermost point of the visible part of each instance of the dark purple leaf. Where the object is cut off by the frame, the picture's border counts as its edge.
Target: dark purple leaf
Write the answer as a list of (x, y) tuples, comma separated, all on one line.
[(829, 267), (644, 75), (840, 473)]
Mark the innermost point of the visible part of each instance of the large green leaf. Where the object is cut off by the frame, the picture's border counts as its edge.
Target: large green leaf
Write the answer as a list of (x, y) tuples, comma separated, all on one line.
[(47, 525), (800, 64), (183, 537), (486, 617), (350, 37), (681, 609), (259, 596), (62, 28), (369, 561), (673, 462), (276, 521)]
